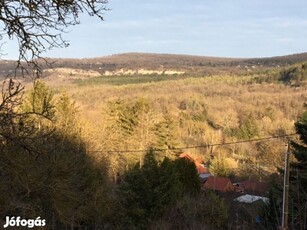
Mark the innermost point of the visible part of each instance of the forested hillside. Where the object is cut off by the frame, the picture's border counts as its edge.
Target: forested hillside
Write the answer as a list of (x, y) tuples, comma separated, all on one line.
[(194, 112), (190, 65)]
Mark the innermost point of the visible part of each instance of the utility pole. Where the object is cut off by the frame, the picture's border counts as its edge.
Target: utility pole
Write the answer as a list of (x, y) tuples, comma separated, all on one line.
[(285, 207)]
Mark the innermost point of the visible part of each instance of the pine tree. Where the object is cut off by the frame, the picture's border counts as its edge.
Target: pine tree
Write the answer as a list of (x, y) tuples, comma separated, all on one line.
[(298, 180), (146, 192), (66, 111), (166, 134), (188, 176), (40, 100)]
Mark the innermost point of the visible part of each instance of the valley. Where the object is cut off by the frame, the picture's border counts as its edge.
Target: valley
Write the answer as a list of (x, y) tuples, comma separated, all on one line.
[(138, 124)]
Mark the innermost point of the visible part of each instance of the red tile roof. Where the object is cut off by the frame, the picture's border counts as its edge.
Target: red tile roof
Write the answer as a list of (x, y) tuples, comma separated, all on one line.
[(200, 167), (254, 186), (187, 156), (221, 184)]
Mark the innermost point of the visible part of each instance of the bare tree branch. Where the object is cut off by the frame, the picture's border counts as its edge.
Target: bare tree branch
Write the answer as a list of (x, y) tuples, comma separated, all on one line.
[(38, 25)]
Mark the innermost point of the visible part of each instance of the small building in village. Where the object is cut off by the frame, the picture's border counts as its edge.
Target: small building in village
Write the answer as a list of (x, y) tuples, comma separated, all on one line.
[(250, 186), (221, 184), (202, 170)]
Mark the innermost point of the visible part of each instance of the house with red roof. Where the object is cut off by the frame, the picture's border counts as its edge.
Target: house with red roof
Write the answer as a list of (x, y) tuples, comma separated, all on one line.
[(254, 186), (202, 170), (221, 184)]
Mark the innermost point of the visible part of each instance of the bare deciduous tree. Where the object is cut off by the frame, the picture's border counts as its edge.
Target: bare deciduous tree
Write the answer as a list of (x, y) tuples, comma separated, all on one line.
[(38, 25)]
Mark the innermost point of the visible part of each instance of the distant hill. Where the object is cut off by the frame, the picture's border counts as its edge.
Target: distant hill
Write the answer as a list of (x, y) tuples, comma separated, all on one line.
[(196, 65)]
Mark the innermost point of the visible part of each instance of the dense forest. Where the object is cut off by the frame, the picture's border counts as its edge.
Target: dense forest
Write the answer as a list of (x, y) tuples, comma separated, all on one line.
[(103, 152)]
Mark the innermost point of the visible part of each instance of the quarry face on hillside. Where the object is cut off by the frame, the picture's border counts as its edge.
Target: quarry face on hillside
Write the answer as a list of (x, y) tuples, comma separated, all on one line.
[(152, 64), (142, 72)]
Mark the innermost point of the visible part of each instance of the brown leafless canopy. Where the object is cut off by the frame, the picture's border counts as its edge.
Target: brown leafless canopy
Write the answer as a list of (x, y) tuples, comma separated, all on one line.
[(38, 25)]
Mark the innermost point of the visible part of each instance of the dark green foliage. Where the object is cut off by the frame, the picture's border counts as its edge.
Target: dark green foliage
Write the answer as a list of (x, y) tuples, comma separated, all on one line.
[(125, 116), (300, 148), (294, 75), (298, 176), (268, 77), (271, 213), (194, 110), (200, 116), (216, 213), (188, 176), (149, 192), (298, 184), (40, 100), (205, 210), (129, 116), (125, 80), (146, 192), (166, 133), (269, 112), (247, 129), (66, 111)]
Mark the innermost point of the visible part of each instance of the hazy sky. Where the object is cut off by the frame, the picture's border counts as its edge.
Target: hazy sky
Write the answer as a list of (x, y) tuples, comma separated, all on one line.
[(225, 28)]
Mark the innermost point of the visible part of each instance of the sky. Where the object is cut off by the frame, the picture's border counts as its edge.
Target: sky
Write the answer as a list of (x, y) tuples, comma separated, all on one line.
[(220, 28)]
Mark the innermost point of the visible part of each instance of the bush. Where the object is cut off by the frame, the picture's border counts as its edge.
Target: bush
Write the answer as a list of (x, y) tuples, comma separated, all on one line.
[(204, 211)]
